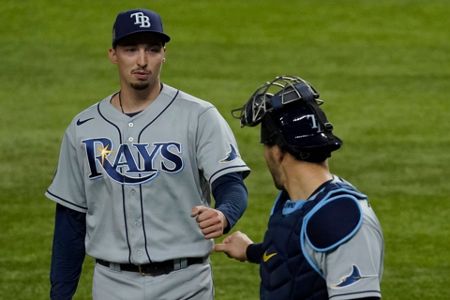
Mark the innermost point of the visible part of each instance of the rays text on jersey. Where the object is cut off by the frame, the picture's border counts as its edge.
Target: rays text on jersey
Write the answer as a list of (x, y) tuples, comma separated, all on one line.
[(132, 163)]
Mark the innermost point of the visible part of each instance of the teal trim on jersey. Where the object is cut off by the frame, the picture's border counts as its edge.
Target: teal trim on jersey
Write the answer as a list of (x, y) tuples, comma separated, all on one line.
[(291, 206), (328, 198), (297, 206), (345, 238), (276, 202), (288, 211)]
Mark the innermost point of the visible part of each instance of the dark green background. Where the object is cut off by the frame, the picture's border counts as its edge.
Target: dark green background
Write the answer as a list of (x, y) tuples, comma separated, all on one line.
[(382, 67)]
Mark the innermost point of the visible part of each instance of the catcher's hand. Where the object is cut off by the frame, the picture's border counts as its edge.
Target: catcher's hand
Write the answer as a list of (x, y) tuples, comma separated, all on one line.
[(235, 246)]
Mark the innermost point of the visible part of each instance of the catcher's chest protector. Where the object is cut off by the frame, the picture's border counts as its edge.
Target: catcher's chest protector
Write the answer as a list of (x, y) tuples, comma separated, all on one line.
[(285, 273)]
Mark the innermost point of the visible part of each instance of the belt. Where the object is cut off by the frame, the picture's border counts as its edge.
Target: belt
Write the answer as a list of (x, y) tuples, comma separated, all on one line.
[(155, 268)]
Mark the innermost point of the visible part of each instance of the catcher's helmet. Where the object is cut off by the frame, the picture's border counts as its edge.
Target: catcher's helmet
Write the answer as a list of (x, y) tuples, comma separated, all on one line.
[(288, 108)]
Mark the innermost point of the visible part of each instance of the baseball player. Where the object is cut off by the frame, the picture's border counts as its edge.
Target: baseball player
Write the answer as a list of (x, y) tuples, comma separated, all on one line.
[(134, 179), (323, 239)]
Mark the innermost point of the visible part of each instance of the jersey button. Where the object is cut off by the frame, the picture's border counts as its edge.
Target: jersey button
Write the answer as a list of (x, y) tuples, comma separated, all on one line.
[(130, 139), (130, 124)]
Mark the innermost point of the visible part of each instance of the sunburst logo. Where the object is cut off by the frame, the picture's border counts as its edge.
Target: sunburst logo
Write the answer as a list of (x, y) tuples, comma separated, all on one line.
[(104, 152)]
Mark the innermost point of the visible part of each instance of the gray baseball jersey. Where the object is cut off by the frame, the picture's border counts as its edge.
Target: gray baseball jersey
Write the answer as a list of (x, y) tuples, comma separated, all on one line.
[(356, 266), (137, 178)]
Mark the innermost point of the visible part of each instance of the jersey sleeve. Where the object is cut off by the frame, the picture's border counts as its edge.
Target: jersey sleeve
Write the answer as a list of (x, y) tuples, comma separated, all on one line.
[(67, 186), (354, 269), (217, 151), (230, 194)]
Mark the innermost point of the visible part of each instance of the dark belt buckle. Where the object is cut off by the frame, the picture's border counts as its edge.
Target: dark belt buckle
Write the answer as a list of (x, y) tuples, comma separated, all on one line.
[(142, 272)]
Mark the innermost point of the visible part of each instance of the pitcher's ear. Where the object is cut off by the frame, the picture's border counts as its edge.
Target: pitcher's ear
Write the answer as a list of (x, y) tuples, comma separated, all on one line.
[(112, 55)]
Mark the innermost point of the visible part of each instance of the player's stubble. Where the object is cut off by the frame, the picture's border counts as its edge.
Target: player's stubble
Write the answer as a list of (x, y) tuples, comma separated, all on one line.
[(140, 86)]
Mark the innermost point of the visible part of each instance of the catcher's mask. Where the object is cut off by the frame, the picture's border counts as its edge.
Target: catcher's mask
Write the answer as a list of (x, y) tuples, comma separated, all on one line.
[(288, 108)]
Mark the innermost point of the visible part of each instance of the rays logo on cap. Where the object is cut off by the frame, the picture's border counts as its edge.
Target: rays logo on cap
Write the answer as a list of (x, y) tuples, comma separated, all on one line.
[(141, 19)]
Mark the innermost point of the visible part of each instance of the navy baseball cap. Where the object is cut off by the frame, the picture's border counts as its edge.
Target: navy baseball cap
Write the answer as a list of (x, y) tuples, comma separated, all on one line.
[(136, 21)]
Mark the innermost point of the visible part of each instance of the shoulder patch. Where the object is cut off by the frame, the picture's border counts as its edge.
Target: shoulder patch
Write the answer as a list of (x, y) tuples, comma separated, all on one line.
[(333, 223)]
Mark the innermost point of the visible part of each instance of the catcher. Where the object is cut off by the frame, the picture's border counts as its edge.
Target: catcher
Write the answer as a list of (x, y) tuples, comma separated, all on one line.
[(323, 240)]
